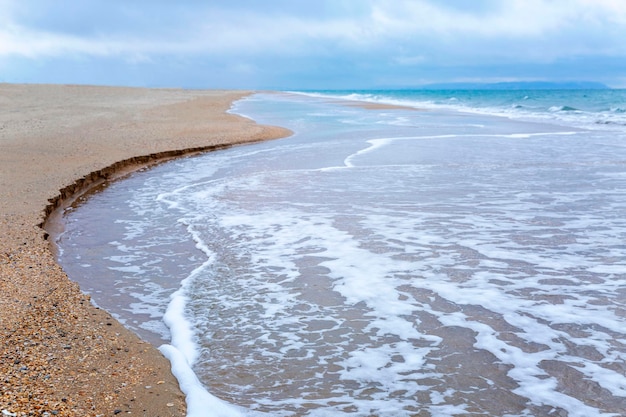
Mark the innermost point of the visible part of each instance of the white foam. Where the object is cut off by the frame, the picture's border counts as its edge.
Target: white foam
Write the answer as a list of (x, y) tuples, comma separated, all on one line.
[(199, 402), (345, 284), (182, 353), (556, 114)]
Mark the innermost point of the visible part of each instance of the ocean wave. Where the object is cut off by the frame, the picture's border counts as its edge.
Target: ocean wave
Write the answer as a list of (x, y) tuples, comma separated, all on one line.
[(350, 285), (563, 108), (585, 111), (610, 122)]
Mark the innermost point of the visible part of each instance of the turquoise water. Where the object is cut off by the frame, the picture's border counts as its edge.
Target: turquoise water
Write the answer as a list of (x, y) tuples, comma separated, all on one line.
[(583, 108), (440, 262)]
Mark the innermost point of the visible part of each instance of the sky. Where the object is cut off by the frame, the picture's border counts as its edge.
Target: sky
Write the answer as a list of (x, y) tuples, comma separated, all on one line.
[(311, 44)]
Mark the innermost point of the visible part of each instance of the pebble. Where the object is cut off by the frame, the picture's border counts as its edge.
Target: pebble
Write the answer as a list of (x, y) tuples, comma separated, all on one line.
[(48, 326)]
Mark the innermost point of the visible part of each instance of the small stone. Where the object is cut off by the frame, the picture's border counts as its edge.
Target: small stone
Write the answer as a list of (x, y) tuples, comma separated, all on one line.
[(170, 404)]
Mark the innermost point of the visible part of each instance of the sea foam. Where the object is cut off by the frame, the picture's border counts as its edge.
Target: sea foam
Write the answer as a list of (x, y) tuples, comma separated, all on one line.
[(385, 262)]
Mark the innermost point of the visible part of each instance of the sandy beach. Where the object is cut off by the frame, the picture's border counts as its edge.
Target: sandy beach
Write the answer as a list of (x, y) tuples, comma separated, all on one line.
[(58, 353)]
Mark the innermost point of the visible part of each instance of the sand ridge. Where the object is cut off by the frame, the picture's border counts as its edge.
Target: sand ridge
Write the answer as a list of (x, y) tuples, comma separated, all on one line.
[(58, 353)]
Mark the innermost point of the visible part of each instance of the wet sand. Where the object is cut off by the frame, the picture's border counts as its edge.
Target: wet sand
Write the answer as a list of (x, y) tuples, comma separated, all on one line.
[(379, 106), (58, 353)]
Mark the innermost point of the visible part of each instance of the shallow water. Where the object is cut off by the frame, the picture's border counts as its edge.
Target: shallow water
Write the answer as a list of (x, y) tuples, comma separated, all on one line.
[(379, 262)]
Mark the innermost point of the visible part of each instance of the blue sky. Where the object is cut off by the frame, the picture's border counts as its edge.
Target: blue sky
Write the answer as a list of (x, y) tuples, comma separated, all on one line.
[(298, 44)]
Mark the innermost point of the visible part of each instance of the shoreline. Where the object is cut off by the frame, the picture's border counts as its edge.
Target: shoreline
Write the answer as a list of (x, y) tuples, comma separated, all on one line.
[(58, 353), (52, 223), (368, 105)]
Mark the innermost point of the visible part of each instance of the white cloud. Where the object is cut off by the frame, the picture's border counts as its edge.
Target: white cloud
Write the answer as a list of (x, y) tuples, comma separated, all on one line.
[(411, 23), (370, 33), (513, 19)]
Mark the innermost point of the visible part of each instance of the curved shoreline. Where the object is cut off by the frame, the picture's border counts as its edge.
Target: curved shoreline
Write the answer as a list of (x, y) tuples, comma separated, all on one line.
[(52, 213), (58, 353)]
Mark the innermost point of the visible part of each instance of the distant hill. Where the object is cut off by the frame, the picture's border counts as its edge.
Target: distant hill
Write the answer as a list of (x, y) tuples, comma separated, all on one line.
[(520, 85)]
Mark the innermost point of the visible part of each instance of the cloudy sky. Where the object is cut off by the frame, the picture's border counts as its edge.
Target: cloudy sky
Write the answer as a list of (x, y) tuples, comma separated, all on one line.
[(298, 44)]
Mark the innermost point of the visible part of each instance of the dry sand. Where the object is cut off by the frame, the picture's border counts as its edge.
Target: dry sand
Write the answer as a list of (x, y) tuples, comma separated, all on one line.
[(59, 354)]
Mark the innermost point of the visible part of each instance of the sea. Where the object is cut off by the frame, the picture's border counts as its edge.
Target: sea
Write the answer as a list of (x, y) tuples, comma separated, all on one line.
[(403, 253)]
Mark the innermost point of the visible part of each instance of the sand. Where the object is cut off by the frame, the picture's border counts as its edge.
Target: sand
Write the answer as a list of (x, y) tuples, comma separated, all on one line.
[(379, 106), (58, 353)]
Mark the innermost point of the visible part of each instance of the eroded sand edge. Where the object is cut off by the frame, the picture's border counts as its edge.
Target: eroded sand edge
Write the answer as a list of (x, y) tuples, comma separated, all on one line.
[(58, 353)]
